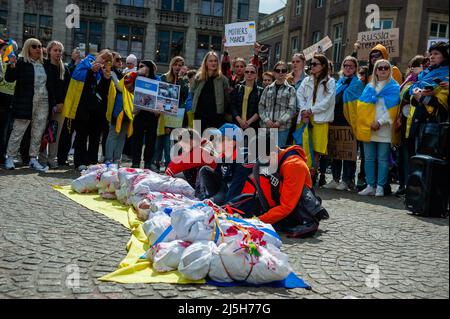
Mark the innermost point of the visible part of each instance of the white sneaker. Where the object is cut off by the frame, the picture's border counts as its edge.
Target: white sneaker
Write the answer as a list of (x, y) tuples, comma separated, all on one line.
[(380, 191), (331, 185), (342, 186), (34, 164), (368, 191), (9, 163)]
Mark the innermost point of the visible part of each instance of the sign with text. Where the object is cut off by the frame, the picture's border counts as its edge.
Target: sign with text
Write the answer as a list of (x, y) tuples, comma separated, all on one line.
[(388, 38), (319, 47), (155, 96), (341, 143), (240, 34), (433, 41), (175, 121)]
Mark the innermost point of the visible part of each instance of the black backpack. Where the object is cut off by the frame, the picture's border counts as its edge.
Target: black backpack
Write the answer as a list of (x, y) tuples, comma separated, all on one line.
[(433, 140)]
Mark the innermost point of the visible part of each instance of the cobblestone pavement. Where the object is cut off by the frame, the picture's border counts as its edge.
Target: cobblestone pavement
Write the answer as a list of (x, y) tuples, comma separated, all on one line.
[(42, 232)]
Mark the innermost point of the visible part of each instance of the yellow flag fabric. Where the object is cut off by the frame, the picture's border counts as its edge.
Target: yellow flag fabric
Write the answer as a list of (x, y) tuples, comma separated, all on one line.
[(132, 269)]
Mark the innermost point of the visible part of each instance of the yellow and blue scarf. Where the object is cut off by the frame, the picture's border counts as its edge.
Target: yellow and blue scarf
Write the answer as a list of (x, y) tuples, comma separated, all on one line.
[(127, 108), (366, 109), (352, 92)]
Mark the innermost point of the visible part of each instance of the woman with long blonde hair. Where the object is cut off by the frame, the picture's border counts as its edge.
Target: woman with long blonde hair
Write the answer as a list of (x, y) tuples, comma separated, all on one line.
[(210, 89), (59, 77), (31, 103)]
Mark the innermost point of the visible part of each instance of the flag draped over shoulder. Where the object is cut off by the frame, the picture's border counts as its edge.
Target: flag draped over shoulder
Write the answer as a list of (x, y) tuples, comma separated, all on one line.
[(352, 92), (366, 109), (76, 86), (127, 110), (427, 77)]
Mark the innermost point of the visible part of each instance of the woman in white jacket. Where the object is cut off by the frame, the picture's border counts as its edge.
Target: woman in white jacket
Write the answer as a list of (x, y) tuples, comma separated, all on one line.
[(316, 99)]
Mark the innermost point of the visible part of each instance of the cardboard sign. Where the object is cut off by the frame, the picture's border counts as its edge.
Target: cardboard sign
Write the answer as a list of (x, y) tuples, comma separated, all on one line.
[(342, 143), (245, 52), (433, 41), (175, 121), (388, 38), (155, 96), (319, 47), (240, 34)]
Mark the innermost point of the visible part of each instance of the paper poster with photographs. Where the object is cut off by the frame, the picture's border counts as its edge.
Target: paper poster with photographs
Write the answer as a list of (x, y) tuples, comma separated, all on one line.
[(155, 96)]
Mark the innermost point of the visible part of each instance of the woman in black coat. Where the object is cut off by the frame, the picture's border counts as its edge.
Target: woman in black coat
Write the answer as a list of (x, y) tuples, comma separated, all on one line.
[(32, 101), (245, 100)]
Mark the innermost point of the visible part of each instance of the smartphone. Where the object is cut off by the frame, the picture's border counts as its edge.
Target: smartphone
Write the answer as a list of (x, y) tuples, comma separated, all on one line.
[(437, 80), (429, 87)]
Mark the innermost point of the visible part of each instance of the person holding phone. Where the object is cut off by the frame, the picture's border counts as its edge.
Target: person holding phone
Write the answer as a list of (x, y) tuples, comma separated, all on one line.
[(430, 94)]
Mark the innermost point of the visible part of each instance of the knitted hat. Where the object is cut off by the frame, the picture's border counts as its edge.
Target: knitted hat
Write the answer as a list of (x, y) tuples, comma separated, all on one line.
[(442, 47), (131, 59)]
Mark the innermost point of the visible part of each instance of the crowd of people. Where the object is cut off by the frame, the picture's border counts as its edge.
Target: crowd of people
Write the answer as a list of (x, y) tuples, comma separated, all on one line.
[(48, 107)]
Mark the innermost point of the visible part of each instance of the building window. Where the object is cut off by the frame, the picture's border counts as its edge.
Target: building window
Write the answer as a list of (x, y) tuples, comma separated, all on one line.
[(277, 52), (41, 30), (298, 7), (134, 3), (385, 24), (294, 42), (3, 24), (316, 37), (130, 39), (170, 44), (206, 43), (212, 8), (439, 30), (319, 3), (172, 5), (243, 9), (89, 37), (337, 43), (45, 29)]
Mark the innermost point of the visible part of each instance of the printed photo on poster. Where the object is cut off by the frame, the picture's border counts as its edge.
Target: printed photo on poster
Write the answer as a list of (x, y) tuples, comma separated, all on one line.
[(155, 96)]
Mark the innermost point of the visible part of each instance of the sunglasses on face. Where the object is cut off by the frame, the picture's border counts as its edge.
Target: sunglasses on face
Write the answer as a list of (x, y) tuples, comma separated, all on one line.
[(250, 72), (284, 71), (313, 64), (117, 59), (349, 66), (376, 56), (141, 66), (383, 68), (296, 61), (36, 46)]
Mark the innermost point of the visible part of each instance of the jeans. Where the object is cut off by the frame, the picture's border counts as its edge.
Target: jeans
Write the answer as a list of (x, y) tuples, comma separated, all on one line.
[(348, 173), (162, 144), (115, 143), (376, 152), (282, 138)]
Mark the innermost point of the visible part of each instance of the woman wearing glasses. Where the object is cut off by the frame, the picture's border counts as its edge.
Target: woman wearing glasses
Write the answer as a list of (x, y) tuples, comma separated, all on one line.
[(348, 90), (278, 103), (31, 103), (376, 113), (316, 99), (245, 100)]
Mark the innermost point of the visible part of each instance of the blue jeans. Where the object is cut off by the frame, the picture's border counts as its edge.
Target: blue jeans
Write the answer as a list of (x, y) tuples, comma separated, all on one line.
[(348, 173), (162, 144), (115, 143), (282, 138), (376, 152)]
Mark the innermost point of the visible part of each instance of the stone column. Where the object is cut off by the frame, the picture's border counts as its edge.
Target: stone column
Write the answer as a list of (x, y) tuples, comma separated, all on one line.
[(190, 45), (60, 30), (109, 25), (16, 9), (352, 28), (150, 32), (410, 46)]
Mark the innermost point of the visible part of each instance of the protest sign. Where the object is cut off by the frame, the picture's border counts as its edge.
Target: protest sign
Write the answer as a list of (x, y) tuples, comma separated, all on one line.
[(155, 96), (319, 47), (245, 52), (388, 38), (175, 121), (433, 41), (240, 34), (341, 143)]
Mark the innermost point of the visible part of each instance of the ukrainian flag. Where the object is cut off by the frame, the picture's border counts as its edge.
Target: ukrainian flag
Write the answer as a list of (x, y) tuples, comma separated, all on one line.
[(366, 109), (76, 86), (251, 25), (127, 111), (9, 51), (352, 92)]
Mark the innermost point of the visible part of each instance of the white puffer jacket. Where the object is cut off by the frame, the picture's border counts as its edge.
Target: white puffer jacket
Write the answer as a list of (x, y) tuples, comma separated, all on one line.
[(323, 109)]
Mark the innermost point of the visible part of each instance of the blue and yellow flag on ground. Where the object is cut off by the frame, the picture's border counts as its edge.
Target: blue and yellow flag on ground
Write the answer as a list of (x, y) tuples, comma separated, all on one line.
[(352, 92), (366, 109), (76, 86)]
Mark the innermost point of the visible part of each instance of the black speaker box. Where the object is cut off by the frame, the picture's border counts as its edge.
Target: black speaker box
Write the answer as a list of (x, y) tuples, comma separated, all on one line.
[(427, 187)]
